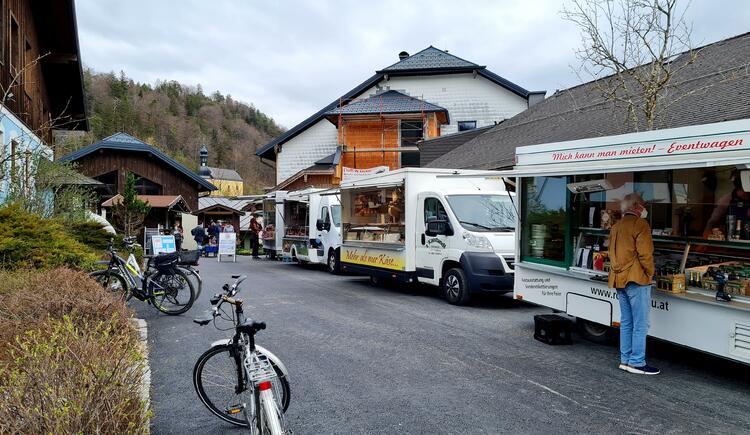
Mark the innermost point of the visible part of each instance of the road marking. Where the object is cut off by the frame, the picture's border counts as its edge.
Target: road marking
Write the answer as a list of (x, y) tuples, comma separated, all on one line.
[(557, 393)]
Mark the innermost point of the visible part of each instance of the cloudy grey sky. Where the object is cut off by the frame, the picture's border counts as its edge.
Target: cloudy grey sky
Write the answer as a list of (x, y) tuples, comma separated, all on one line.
[(289, 58)]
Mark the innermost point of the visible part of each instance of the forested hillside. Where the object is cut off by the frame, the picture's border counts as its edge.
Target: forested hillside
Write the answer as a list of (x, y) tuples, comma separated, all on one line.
[(178, 119)]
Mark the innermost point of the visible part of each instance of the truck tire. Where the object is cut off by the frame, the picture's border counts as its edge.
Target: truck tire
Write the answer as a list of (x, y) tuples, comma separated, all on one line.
[(595, 332), (456, 287), (333, 262)]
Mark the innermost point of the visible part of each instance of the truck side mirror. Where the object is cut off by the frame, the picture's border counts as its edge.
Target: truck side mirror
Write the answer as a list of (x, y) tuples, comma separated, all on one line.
[(319, 225), (437, 227)]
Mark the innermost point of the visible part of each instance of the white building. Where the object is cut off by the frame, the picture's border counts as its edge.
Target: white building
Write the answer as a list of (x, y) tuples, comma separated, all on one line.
[(472, 95)]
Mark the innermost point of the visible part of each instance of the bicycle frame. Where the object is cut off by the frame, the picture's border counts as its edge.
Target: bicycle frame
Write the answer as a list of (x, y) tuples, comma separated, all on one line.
[(131, 271)]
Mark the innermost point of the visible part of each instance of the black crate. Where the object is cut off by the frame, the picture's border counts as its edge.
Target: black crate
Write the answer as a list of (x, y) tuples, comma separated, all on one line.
[(552, 329)]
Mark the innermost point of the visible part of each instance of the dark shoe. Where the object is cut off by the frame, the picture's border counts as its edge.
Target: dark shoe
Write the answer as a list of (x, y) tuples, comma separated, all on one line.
[(623, 367), (643, 370)]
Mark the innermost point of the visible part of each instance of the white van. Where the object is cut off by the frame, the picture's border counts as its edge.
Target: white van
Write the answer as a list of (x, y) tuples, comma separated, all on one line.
[(312, 219), (443, 227)]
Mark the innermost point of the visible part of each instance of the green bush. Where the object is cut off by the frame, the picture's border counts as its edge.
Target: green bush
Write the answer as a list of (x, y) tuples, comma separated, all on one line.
[(90, 234), (30, 241), (70, 361)]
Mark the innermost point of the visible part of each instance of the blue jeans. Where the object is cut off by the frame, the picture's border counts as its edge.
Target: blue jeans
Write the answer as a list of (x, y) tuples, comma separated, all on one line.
[(635, 305)]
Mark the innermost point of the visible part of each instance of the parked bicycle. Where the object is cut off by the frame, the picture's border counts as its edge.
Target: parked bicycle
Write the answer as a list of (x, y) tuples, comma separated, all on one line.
[(162, 284), (240, 382)]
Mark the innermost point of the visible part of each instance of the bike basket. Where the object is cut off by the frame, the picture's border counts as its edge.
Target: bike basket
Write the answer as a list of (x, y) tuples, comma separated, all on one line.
[(189, 258), (259, 368), (166, 263)]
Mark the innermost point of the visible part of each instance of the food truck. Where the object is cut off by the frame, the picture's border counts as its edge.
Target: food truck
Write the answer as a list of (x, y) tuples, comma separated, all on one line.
[(434, 226), (273, 223), (696, 183), (312, 219)]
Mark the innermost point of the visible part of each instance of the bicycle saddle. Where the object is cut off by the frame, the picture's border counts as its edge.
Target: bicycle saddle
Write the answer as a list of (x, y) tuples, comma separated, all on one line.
[(251, 326)]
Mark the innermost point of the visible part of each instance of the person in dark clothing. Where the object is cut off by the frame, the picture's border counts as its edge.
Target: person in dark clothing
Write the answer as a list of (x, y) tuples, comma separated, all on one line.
[(177, 232), (199, 235), (212, 230), (255, 229)]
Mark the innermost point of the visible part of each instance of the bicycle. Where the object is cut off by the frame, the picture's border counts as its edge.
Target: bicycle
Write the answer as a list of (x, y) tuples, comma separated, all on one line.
[(239, 381), (162, 284)]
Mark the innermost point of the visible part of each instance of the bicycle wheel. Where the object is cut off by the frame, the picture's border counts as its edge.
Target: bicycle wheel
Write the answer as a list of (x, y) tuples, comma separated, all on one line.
[(171, 293), (215, 380), (113, 282)]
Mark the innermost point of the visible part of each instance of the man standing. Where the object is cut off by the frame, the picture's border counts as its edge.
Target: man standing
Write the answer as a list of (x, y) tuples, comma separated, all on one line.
[(255, 229), (631, 253)]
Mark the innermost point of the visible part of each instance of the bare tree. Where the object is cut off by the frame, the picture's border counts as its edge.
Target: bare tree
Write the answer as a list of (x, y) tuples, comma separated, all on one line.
[(632, 47)]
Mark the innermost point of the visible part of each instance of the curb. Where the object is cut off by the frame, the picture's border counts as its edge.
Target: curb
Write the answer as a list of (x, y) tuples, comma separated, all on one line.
[(142, 328)]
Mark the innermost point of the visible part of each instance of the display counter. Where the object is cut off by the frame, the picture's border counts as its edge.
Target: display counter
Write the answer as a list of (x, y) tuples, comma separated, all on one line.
[(374, 217)]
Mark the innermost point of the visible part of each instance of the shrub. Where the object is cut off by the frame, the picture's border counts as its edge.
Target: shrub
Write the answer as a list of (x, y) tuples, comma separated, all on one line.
[(30, 241), (90, 234), (70, 362)]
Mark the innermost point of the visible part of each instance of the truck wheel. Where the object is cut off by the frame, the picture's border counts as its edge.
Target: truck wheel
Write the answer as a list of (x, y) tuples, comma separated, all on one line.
[(455, 287), (595, 332), (333, 262)]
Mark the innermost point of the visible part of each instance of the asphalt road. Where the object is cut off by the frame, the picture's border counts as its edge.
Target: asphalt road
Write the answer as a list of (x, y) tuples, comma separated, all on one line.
[(364, 359)]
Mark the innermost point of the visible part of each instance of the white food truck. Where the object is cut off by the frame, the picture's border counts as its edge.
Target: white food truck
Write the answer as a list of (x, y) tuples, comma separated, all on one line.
[(312, 227), (434, 226), (696, 182), (273, 223)]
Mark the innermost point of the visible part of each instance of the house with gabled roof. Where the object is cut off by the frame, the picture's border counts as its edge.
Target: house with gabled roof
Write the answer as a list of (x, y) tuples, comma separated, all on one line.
[(159, 178), (379, 123), (713, 86), (228, 182)]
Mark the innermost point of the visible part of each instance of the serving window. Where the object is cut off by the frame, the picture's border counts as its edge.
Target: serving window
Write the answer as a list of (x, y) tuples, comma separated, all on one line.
[(699, 218), (296, 219), (374, 215), (269, 220), (544, 221)]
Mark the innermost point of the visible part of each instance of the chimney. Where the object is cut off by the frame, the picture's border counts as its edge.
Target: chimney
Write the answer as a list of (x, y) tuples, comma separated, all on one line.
[(403, 55)]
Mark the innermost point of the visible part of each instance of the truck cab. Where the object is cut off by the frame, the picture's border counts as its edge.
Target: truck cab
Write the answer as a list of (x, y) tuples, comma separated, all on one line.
[(465, 242), (328, 232)]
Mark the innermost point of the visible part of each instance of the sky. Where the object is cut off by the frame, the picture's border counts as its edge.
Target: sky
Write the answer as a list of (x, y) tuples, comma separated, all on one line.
[(290, 58)]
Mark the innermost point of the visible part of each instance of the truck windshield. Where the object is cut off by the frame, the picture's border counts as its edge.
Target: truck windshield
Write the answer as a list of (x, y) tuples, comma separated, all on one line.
[(336, 215), (484, 213)]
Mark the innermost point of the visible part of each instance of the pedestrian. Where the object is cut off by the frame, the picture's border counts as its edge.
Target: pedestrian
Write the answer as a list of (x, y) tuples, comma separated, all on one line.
[(255, 229), (212, 230), (631, 254), (199, 235), (228, 228), (177, 233)]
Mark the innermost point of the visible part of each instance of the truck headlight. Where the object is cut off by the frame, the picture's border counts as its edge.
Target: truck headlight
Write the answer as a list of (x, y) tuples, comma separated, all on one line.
[(476, 241)]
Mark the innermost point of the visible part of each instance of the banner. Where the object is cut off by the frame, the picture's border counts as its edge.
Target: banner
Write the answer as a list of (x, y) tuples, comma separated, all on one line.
[(354, 173), (659, 148), (382, 258), (162, 244), (227, 244)]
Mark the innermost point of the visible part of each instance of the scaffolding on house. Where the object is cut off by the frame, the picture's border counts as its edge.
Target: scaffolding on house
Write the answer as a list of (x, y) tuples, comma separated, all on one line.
[(401, 121)]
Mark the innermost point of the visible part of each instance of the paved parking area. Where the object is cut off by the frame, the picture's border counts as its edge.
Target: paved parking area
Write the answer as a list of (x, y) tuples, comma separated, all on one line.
[(400, 360)]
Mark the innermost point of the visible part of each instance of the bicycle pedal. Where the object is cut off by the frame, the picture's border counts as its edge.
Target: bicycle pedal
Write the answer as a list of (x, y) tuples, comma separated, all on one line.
[(235, 409)]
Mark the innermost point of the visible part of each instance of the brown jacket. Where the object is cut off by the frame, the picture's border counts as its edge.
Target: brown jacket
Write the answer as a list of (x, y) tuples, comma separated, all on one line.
[(631, 252)]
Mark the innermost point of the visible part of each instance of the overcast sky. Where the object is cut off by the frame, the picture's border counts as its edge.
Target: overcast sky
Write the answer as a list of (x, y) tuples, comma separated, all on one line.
[(290, 58)]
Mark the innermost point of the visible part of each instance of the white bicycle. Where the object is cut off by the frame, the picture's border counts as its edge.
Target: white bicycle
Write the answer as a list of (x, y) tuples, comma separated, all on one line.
[(238, 381)]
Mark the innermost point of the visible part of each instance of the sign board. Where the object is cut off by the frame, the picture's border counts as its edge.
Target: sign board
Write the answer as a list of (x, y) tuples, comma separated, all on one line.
[(162, 244), (354, 173), (382, 258), (227, 245), (681, 146)]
